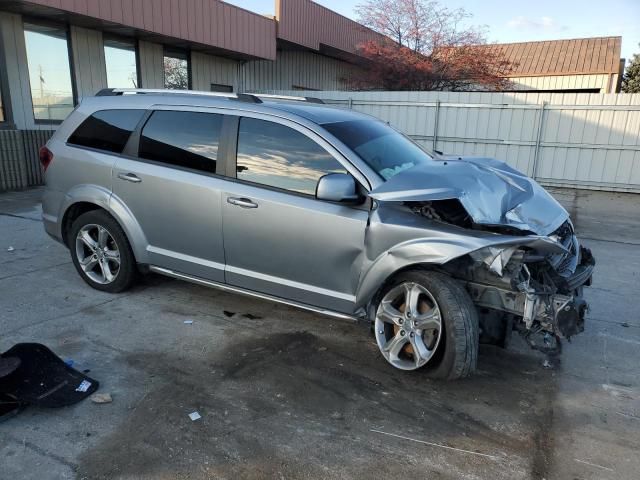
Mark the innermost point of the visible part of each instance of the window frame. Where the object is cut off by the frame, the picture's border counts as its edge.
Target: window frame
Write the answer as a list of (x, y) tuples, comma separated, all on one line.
[(231, 172), (136, 51), (171, 52), (72, 68), (5, 99)]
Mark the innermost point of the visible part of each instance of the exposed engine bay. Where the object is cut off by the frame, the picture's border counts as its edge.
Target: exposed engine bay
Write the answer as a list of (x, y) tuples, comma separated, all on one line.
[(538, 294)]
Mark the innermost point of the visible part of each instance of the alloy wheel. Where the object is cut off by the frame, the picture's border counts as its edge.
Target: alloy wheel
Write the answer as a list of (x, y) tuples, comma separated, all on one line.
[(408, 326), (98, 254)]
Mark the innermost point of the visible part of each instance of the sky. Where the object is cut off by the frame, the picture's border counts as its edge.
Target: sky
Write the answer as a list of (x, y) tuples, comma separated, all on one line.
[(521, 21)]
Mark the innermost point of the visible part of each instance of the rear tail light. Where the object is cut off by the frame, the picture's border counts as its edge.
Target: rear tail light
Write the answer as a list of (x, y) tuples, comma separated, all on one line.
[(46, 157)]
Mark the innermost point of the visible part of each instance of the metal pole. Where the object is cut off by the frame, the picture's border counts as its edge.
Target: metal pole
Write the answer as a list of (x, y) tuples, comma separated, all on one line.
[(350, 103), (536, 153), (435, 126)]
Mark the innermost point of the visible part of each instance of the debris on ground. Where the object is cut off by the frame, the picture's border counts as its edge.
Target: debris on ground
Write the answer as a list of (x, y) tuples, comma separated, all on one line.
[(101, 398), (43, 379), (227, 313), (625, 324), (84, 386), (194, 416), (251, 316), (10, 249), (188, 322), (546, 363)]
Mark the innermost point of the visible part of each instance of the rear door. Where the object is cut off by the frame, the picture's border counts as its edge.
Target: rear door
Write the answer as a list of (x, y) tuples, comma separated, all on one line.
[(173, 189), (278, 238)]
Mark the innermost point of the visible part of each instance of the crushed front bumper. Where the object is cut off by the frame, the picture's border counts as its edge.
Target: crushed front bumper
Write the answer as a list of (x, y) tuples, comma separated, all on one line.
[(560, 314)]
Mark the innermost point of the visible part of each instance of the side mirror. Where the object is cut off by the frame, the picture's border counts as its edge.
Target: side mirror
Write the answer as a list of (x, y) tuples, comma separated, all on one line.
[(337, 187)]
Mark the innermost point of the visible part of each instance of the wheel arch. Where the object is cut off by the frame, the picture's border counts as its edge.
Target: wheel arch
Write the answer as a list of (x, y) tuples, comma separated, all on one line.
[(424, 253), (413, 255), (86, 198)]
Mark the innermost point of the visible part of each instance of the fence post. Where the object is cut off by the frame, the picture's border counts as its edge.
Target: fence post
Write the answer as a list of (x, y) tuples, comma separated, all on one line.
[(350, 103), (536, 152), (435, 126)]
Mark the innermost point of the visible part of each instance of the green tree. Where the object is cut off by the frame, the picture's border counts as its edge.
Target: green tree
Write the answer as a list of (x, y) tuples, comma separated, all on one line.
[(631, 78)]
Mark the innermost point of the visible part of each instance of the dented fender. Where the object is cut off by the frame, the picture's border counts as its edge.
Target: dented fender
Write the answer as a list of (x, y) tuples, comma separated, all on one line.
[(397, 238)]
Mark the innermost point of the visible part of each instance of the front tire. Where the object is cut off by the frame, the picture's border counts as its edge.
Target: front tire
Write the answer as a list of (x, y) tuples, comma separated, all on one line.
[(426, 319), (101, 252)]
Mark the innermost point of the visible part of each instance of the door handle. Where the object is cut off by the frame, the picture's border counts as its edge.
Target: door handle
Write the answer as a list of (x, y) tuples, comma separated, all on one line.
[(129, 177), (242, 202)]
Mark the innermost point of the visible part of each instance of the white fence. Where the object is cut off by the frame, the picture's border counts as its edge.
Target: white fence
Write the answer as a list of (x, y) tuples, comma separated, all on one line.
[(571, 140)]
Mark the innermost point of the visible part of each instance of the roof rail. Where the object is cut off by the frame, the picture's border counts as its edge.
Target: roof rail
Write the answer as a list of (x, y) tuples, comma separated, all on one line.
[(243, 97), (287, 97)]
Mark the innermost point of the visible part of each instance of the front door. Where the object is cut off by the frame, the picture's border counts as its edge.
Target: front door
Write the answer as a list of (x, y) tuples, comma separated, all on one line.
[(278, 238)]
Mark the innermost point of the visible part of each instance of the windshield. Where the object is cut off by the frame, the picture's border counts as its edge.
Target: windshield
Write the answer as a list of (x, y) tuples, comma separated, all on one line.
[(385, 150)]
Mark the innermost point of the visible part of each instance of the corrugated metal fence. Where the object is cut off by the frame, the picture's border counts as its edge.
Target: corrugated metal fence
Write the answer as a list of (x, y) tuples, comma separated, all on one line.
[(570, 140), (19, 162)]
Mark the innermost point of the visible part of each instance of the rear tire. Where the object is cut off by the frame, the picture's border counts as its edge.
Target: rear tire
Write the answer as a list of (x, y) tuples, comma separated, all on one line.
[(101, 252), (441, 324)]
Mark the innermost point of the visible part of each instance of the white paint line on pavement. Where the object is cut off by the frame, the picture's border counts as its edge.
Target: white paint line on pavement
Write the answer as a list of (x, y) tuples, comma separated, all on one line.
[(595, 465), (619, 339), (493, 457)]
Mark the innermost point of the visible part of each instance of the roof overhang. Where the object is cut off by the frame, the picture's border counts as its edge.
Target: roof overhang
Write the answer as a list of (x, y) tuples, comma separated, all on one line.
[(317, 28), (213, 27)]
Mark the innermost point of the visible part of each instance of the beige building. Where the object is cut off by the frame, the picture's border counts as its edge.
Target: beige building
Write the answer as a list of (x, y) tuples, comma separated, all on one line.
[(581, 65)]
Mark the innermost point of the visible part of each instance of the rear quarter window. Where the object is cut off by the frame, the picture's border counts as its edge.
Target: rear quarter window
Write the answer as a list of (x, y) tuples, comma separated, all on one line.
[(107, 130)]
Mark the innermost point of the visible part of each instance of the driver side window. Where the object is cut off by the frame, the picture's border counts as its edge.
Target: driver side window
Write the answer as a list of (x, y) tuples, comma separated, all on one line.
[(278, 156)]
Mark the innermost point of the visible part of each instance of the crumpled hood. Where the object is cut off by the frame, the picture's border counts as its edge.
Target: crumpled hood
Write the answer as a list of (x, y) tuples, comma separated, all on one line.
[(491, 192)]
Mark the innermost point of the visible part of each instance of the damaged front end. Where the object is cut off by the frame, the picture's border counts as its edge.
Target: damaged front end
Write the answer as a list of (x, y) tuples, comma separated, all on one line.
[(543, 291), (532, 290), (530, 273)]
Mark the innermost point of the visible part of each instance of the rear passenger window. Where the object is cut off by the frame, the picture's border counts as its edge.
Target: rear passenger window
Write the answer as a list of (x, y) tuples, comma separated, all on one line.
[(279, 156), (183, 139), (107, 130)]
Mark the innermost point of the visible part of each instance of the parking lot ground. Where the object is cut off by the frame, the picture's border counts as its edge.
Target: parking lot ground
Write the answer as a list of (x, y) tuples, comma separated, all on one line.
[(284, 393)]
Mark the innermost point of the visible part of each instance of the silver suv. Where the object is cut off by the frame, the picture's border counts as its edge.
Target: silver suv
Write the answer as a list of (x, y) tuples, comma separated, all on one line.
[(322, 208)]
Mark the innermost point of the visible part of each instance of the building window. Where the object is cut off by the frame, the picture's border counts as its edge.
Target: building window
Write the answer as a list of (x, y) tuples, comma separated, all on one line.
[(278, 156), (218, 87), (49, 71), (120, 59), (176, 70)]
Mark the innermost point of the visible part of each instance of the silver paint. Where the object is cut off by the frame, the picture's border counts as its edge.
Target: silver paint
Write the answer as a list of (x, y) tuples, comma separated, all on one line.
[(325, 255), (491, 192)]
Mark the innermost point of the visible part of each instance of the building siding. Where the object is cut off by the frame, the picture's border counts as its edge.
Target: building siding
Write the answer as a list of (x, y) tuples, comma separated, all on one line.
[(297, 69), (19, 94), (304, 22), (151, 60), (207, 69), (193, 20), (88, 61), (19, 162), (603, 82)]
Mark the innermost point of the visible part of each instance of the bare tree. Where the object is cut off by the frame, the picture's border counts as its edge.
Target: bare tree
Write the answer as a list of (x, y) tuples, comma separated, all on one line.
[(176, 73), (427, 47)]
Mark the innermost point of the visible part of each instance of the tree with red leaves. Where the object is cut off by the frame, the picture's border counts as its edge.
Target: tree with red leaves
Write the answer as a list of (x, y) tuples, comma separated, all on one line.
[(424, 46)]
